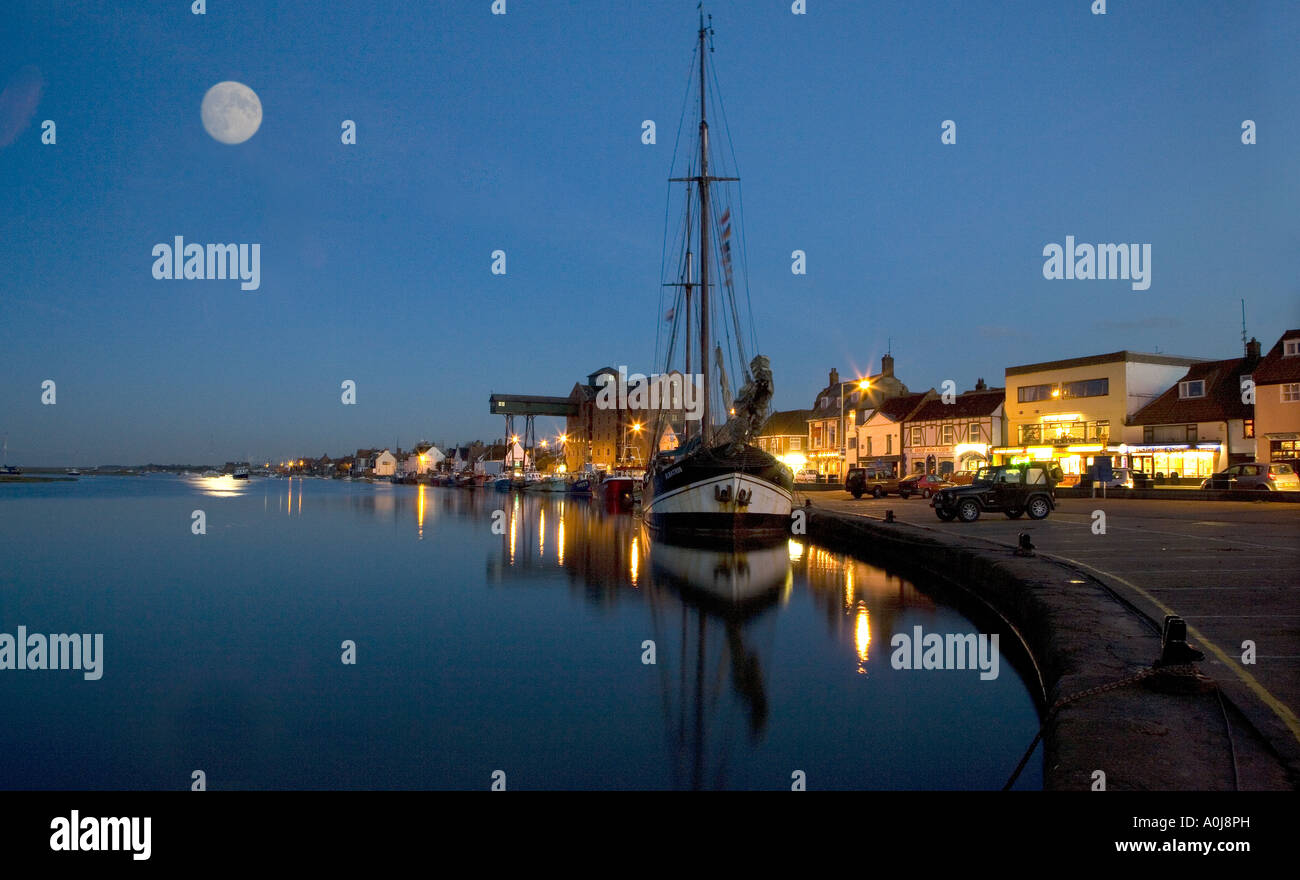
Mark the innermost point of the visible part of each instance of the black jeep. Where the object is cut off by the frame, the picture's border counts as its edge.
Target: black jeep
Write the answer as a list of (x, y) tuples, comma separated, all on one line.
[(1013, 489)]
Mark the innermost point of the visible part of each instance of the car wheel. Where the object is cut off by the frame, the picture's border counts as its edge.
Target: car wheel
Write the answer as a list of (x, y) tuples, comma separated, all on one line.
[(968, 510), (904, 495), (1039, 508), (944, 514), (857, 494), (1014, 512), (1264, 486), (876, 493)]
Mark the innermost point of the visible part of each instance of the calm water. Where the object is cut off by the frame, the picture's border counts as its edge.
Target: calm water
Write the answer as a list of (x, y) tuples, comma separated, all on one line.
[(518, 649)]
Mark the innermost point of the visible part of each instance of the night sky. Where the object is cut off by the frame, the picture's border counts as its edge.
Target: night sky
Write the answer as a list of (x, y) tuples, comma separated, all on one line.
[(523, 132)]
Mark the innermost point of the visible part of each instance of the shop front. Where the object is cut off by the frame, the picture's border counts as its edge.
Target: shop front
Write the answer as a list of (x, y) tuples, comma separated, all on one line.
[(971, 456), (1176, 462)]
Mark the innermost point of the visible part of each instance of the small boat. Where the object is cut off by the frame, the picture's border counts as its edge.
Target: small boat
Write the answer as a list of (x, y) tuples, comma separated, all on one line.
[(11, 470), (585, 483), (618, 491), (73, 472), (211, 474), (550, 483), (241, 473), (502, 483)]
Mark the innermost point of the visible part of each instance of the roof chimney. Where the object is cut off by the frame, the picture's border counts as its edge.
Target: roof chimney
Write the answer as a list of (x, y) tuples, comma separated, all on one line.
[(1252, 349), (835, 377), (980, 386), (887, 365)]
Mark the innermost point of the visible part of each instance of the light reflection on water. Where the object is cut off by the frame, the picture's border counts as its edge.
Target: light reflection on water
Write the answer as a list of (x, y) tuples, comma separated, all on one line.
[(494, 630)]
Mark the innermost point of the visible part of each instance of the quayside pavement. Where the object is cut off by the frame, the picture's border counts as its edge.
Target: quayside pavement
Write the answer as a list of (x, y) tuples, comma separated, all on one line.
[(1230, 568)]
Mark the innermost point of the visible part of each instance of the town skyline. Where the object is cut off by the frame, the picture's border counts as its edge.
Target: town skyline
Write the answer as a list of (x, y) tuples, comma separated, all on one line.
[(375, 257)]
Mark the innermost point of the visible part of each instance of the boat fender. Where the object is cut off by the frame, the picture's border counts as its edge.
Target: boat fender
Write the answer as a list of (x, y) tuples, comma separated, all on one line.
[(743, 496), (722, 493)]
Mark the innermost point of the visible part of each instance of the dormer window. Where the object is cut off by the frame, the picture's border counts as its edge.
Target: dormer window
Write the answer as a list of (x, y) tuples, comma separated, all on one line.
[(1192, 388), (1290, 347)]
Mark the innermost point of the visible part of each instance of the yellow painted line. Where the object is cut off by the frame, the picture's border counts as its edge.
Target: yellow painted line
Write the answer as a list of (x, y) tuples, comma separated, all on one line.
[(1280, 709)]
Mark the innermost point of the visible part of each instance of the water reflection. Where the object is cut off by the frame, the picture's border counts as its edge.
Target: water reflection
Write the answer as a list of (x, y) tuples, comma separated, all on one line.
[(224, 486), (513, 629), (714, 616)]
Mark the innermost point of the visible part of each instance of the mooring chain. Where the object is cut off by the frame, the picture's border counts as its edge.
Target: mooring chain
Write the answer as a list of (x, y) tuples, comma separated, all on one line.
[(1172, 668), (1175, 669)]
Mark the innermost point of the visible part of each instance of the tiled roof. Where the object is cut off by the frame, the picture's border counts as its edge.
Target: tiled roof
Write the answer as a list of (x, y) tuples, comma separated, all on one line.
[(972, 404), (899, 408), (788, 423), (1222, 398), (1275, 369)]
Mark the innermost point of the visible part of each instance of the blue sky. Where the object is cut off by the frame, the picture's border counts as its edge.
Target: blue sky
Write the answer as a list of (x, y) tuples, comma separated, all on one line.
[(522, 132)]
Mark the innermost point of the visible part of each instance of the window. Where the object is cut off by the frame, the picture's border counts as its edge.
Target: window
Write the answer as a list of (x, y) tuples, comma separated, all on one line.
[(1291, 392), (916, 437), (1192, 388), (796, 443), (1248, 428), (1086, 388), (1031, 433), (973, 432), (868, 446), (1191, 433), (946, 435), (889, 444), (1030, 393), (1290, 347)]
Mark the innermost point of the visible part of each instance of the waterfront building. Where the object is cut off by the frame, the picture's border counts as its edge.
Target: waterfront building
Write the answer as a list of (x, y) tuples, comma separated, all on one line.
[(785, 436), (363, 463), (1071, 410), (385, 464), (425, 458), (941, 437), (839, 409), (1277, 402), (608, 431), (1201, 424), (880, 437)]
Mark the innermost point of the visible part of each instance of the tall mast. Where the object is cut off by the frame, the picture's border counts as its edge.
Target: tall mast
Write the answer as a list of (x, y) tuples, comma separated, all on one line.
[(706, 425), (686, 376)]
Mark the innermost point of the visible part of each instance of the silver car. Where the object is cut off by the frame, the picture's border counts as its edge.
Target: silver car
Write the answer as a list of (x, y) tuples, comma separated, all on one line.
[(1259, 475)]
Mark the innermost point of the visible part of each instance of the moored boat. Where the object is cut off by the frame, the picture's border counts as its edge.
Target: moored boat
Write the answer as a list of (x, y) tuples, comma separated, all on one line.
[(717, 483)]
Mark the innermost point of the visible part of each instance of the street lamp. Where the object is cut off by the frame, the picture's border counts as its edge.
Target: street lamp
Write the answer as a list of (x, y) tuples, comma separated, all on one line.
[(863, 385)]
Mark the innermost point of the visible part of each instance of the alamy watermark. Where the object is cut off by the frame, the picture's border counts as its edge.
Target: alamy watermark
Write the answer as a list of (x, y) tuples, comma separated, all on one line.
[(214, 262), (1103, 262), (56, 651), (951, 651), (670, 391)]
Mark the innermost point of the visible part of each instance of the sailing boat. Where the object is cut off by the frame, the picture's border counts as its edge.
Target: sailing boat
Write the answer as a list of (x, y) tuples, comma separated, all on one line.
[(716, 484)]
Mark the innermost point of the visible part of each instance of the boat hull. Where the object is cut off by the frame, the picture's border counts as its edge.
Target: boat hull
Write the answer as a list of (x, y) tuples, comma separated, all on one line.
[(712, 495)]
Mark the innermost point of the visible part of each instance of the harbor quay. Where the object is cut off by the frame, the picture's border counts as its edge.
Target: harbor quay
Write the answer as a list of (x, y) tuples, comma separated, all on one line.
[(1089, 603)]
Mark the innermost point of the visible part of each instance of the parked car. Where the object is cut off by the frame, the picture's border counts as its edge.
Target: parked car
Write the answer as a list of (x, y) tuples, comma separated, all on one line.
[(1013, 489), (961, 478), (807, 475), (1120, 478), (1259, 475), (924, 485), (866, 481)]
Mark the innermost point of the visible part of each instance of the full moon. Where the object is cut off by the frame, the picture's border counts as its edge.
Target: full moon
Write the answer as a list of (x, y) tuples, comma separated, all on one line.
[(231, 112)]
